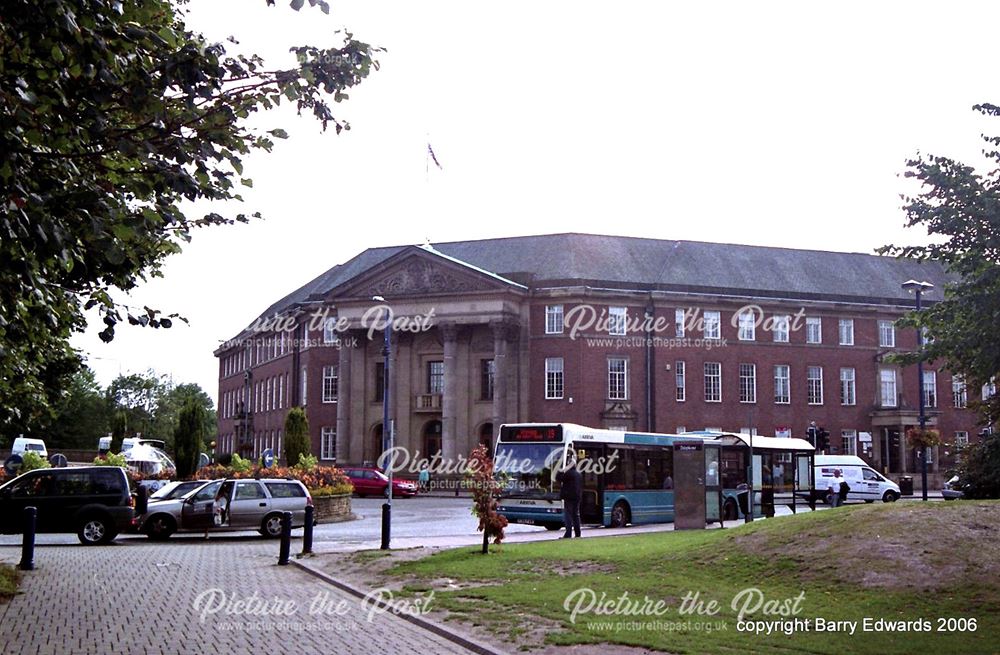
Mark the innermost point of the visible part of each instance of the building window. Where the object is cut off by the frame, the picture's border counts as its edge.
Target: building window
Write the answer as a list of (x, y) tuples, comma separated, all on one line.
[(329, 330), (487, 376), (814, 385), (330, 384), (887, 387), (679, 323), (748, 383), (848, 395), (989, 390), (269, 395), (553, 319), (959, 392), (930, 389), (379, 381), (713, 382), (886, 334), (328, 443), (435, 377), (281, 391), (781, 328), (847, 331), (617, 378), (961, 439), (849, 441), (747, 326), (712, 327), (305, 386), (814, 329), (681, 385), (553, 378), (617, 317), (681, 429), (782, 384)]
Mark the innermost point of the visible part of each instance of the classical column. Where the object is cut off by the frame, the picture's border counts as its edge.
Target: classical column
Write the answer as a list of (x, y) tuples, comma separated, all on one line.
[(449, 334), (344, 397), (501, 372)]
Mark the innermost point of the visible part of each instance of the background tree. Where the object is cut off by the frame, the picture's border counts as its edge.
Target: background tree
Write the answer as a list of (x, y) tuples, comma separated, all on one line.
[(960, 209), (189, 438), (296, 436), (170, 401), (113, 114), (133, 400), (81, 415)]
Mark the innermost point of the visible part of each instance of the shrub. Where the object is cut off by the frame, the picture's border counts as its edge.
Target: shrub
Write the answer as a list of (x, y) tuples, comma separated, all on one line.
[(296, 435), (240, 465), (189, 438), (31, 461), (979, 468), (485, 488), (225, 459), (111, 459), (307, 462)]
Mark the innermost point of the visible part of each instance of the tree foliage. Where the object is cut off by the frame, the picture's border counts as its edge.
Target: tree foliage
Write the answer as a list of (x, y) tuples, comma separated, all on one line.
[(960, 209), (189, 438), (81, 415), (296, 442), (113, 115)]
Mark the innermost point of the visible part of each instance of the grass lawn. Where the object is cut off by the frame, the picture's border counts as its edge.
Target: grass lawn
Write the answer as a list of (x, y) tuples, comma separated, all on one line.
[(9, 578), (896, 562)]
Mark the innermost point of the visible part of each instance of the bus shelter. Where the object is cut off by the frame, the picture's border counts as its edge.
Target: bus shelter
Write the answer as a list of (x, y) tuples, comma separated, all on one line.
[(766, 471)]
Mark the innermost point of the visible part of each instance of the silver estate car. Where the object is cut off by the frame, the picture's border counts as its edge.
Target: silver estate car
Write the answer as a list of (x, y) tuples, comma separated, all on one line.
[(231, 504)]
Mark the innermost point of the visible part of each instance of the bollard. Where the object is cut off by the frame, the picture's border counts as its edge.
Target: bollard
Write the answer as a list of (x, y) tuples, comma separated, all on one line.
[(28, 540), (307, 530), (286, 538), (141, 500), (386, 525)]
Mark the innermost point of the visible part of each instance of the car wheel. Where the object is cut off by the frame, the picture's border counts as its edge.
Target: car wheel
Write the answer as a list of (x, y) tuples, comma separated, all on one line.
[(890, 497), (619, 514), (730, 511), (160, 526), (828, 499), (869, 501), (95, 530), (552, 526), (271, 526)]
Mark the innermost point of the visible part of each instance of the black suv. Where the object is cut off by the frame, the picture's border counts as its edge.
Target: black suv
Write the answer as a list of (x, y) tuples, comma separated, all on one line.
[(92, 501)]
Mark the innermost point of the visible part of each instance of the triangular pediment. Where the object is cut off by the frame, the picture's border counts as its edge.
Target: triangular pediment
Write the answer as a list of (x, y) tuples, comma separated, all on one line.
[(420, 272)]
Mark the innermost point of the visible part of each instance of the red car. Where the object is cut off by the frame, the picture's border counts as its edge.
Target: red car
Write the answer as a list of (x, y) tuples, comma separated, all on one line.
[(372, 482)]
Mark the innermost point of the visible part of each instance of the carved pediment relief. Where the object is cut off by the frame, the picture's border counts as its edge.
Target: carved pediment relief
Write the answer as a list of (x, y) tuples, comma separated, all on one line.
[(421, 275)]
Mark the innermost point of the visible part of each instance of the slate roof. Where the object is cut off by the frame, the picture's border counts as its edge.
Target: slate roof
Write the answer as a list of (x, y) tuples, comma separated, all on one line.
[(615, 262)]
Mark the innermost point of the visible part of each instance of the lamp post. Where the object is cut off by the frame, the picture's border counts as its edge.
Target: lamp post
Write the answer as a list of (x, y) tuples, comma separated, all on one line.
[(917, 288), (386, 423)]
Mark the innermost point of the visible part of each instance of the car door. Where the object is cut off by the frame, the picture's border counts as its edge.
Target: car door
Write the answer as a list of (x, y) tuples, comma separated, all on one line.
[(34, 489), (198, 510), (872, 483), (288, 497), (249, 504)]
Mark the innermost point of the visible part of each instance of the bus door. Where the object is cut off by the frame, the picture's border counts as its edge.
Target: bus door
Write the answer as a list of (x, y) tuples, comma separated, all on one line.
[(591, 458)]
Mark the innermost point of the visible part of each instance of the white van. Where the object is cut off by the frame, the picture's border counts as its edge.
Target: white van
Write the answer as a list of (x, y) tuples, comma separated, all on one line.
[(866, 483), (24, 444)]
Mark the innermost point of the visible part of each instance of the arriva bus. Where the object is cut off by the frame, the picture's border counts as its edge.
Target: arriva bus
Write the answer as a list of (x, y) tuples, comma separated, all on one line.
[(628, 477)]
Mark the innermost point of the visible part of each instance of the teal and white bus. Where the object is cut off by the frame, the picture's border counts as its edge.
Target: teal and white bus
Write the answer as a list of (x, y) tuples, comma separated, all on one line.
[(628, 477)]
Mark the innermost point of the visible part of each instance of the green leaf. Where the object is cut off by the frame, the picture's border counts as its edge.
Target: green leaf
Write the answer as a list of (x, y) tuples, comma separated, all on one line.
[(247, 182), (57, 54)]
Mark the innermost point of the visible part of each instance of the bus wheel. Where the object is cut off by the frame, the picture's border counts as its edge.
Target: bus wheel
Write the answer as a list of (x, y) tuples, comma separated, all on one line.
[(729, 511), (619, 515)]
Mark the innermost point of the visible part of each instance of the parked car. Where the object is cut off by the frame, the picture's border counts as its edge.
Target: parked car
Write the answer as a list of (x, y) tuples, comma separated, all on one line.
[(176, 489), (373, 482), (93, 501), (239, 504), (952, 489), (24, 444)]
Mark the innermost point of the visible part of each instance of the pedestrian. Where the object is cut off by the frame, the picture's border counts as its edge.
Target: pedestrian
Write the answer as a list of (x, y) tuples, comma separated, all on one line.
[(844, 488), (424, 478), (833, 488), (570, 490)]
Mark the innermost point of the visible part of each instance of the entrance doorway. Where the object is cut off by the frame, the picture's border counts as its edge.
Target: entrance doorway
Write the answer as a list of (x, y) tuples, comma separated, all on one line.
[(432, 439)]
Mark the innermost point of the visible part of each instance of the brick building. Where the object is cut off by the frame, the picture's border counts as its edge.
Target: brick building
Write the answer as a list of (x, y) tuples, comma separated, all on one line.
[(640, 334)]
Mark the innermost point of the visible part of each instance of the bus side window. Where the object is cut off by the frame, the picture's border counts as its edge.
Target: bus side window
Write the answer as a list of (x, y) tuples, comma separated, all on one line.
[(615, 476)]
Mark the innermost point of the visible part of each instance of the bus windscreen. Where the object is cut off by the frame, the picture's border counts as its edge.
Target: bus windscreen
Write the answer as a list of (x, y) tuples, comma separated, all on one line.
[(528, 468)]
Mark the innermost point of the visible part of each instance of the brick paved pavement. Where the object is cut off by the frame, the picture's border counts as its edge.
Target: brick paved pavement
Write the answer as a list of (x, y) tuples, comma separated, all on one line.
[(140, 597)]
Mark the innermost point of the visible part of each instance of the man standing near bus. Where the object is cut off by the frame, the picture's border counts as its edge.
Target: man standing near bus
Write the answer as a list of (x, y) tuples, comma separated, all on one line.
[(570, 490)]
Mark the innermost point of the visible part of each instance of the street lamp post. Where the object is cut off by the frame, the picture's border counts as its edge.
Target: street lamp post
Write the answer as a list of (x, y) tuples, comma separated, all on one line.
[(386, 424), (917, 288)]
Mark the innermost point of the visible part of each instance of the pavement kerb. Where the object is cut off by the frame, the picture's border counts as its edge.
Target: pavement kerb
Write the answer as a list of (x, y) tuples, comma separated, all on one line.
[(437, 629)]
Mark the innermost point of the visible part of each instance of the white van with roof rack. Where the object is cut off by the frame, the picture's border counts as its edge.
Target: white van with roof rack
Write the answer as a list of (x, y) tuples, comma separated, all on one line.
[(866, 483)]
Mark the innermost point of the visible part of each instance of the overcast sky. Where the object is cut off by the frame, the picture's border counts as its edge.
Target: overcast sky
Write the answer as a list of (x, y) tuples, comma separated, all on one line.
[(781, 124)]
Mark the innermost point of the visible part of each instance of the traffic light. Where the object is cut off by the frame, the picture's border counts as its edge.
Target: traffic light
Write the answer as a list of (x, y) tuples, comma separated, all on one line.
[(811, 432), (823, 439)]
